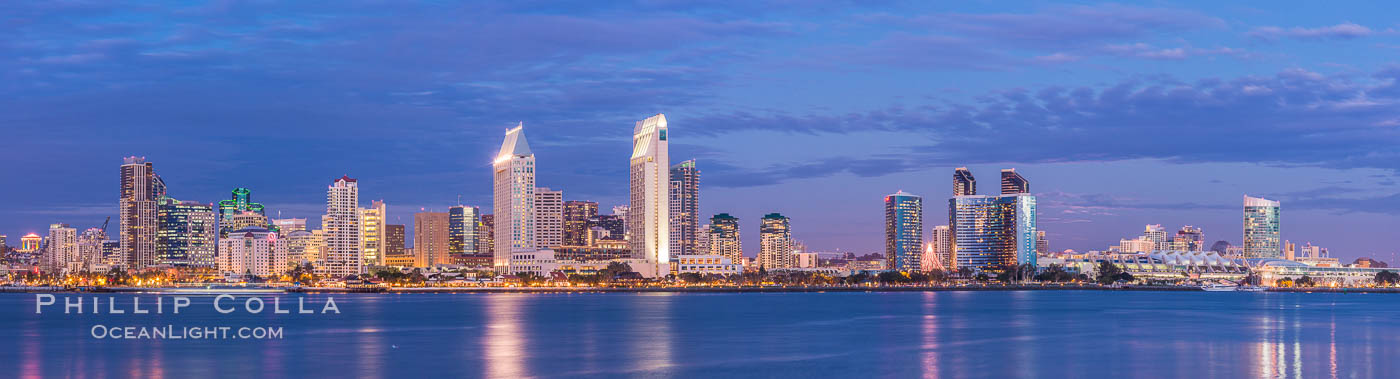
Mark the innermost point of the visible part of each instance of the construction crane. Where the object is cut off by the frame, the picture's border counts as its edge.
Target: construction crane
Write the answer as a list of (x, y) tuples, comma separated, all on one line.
[(104, 224)]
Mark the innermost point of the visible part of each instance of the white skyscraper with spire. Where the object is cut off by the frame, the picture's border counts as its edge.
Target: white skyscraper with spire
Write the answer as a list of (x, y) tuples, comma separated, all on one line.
[(648, 216), (514, 197)]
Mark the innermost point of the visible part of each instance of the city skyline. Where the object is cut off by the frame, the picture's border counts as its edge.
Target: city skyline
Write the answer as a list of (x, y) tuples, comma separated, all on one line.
[(1190, 81)]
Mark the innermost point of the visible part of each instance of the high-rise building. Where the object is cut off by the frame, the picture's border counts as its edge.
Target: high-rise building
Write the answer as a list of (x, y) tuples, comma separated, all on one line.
[(685, 209), (393, 239), (963, 182), (1189, 238), (30, 243), (186, 233), (576, 216), (90, 247), (1012, 183), (724, 237), (241, 201), (297, 247), (614, 225), (62, 248), (775, 241), (549, 218), (1290, 250), (1261, 228), (372, 232), (1042, 245), (249, 251), (140, 187), (341, 224), (1158, 235), (942, 242), (462, 224), (285, 226), (430, 237), (992, 232), (486, 235), (243, 220), (648, 212), (904, 231), (514, 197), (4, 247)]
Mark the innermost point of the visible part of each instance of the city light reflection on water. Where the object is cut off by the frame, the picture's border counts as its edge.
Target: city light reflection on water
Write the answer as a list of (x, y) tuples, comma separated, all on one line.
[(1049, 334)]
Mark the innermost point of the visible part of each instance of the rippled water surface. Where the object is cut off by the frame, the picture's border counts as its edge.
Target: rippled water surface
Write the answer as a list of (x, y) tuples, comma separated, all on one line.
[(1041, 334)]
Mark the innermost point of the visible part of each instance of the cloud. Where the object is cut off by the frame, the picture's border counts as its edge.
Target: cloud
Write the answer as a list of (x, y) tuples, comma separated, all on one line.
[(1064, 26), (1344, 30)]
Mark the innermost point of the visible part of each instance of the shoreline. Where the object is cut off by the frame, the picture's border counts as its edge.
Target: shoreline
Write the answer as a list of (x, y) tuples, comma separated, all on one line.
[(724, 289)]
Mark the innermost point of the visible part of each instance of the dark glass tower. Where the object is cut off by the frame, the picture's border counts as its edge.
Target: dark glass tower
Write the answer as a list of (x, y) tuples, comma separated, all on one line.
[(963, 182)]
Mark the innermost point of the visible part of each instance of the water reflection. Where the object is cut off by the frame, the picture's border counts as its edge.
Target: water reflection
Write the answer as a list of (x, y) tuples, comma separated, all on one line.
[(371, 339), (652, 352), (928, 348), (503, 341)]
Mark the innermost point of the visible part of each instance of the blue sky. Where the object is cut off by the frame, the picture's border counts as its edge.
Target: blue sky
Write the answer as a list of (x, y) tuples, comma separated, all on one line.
[(1119, 114)]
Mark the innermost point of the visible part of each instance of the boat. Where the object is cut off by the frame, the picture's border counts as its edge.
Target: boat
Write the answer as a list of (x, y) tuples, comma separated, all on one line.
[(1250, 289), (1219, 288)]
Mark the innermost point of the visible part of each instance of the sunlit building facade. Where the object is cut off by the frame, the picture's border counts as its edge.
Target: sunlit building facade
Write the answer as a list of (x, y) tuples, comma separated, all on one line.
[(1261, 228), (513, 199), (992, 232), (904, 236), (430, 239)]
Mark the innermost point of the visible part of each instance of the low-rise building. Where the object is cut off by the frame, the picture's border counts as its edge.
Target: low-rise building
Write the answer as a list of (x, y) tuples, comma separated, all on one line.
[(708, 264)]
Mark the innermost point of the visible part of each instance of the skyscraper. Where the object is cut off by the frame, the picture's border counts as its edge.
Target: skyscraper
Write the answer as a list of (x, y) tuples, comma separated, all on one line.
[(240, 201), (576, 216), (942, 242), (250, 251), (514, 197), (1261, 228), (1158, 235), (341, 224), (393, 239), (430, 246), (372, 232), (992, 232), (1012, 183), (615, 225), (904, 236), (62, 248), (1189, 238), (140, 187), (963, 182), (775, 241), (648, 213), (549, 218), (462, 224), (724, 237), (1042, 245), (486, 235), (685, 209), (286, 226), (186, 233), (90, 247)]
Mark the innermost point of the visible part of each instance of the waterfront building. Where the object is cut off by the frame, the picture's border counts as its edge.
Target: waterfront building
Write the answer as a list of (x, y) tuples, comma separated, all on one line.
[(904, 231), (240, 202), (1013, 184), (576, 221), (463, 222), (992, 232), (963, 182), (606, 251), (709, 264), (140, 188), (648, 211), (393, 239), (485, 236), (941, 249), (247, 251), (1261, 228), (62, 249), (341, 223), (90, 244), (685, 208), (186, 233), (513, 197), (724, 237), (775, 242), (1158, 235), (1189, 238), (549, 218), (286, 226), (372, 232), (29, 243), (297, 247), (400, 260), (430, 236)]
